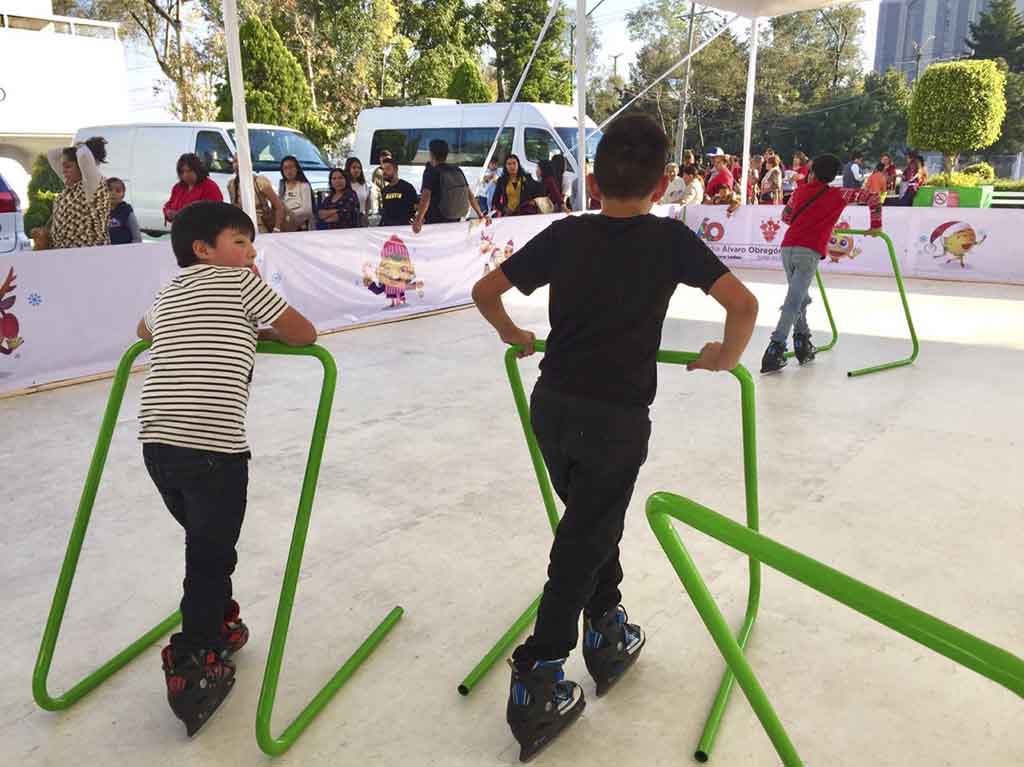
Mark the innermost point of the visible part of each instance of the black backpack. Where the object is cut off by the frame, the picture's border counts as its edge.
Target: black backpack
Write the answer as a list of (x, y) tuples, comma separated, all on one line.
[(454, 199)]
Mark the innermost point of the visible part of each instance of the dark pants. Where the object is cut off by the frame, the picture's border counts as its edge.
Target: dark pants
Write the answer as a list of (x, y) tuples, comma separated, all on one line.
[(593, 451), (206, 494)]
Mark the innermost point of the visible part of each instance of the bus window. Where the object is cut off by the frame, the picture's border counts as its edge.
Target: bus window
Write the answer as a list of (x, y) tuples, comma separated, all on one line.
[(474, 143), (411, 146), (540, 144)]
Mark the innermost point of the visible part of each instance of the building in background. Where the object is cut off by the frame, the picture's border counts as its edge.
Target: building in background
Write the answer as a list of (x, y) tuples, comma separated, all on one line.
[(915, 33), (56, 74)]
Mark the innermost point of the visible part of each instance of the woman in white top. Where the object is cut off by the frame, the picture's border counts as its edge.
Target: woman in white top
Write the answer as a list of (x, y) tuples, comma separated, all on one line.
[(297, 196), (568, 178), (676, 189), (354, 171)]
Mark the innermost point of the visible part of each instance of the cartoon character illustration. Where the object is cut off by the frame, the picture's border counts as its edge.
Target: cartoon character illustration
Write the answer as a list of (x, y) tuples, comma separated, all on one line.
[(9, 327), (956, 239), (394, 275), (842, 246)]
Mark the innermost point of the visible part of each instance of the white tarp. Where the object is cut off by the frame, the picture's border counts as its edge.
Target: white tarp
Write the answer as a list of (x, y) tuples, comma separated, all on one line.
[(70, 313)]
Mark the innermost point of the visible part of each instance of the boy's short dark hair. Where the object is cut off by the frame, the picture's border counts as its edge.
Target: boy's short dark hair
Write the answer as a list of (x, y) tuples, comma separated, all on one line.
[(630, 159), (439, 149), (857, 156), (115, 180), (691, 170), (204, 221), (880, 167), (825, 167), (389, 160)]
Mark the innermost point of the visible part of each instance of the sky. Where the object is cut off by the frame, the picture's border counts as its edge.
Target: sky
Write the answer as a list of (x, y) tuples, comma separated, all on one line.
[(610, 18)]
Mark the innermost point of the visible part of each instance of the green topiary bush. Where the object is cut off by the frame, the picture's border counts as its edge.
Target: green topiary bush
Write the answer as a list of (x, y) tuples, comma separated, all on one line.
[(957, 106), (954, 178), (1008, 185), (982, 170), (43, 188)]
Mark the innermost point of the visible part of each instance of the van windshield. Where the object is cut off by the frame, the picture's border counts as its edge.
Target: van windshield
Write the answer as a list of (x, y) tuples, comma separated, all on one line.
[(269, 146), (569, 138)]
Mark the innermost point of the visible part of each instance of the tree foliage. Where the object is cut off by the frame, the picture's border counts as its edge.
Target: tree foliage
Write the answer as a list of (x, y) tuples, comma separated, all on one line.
[(43, 188), (999, 34), (468, 86), (957, 106)]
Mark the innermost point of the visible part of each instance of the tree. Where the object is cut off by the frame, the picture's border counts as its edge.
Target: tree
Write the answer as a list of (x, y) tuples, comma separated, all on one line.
[(999, 34), (275, 87), (468, 86), (605, 97), (1012, 139), (515, 25), (957, 106), (43, 188)]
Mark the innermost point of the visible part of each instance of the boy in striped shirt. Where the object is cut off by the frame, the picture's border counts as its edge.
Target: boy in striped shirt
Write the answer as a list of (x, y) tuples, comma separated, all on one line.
[(203, 327)]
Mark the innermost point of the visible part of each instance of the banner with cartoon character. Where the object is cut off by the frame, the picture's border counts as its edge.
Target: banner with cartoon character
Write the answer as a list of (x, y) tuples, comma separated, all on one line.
[(965, 244)]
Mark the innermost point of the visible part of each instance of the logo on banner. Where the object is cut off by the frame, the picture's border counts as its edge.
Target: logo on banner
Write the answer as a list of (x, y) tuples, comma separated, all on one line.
[(709, 230), (495, 255), (946, 198), (10, 338), (394, 274), (769, 229), (952, 240), (841, 246)]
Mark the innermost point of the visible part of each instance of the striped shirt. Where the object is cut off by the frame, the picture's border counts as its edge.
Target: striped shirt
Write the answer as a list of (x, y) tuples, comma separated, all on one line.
[(204, 347)]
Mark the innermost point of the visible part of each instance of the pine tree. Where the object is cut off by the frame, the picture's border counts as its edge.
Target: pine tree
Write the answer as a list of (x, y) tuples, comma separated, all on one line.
[(468, 86), (999, 34)]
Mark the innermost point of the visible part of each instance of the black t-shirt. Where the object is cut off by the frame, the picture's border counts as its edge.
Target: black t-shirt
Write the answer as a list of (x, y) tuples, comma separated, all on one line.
[(611, 280), (398, 202), (432, 184)]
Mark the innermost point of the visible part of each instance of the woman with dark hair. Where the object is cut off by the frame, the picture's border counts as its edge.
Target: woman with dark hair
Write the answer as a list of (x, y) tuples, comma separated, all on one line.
[(194, 184), (339, 208), (552, 188), (914, 176), (297, 196), (357, 182), (81, 212), (513, 190)]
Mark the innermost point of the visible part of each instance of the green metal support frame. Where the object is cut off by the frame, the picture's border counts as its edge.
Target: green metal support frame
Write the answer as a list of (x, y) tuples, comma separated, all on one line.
[(903, 297), (271, 745), (750, 483), (959, 646)]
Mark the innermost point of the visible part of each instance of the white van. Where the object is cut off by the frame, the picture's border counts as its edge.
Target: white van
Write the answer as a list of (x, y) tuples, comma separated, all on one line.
[(145, 156), (533, 132)]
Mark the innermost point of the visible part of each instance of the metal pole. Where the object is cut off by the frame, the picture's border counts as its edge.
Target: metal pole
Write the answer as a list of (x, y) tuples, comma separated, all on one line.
[(748, 110), (670, 70), (246, 192), (581, 102), (684, 101)]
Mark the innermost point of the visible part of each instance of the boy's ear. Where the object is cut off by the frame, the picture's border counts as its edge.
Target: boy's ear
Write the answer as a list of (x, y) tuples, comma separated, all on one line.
[(592, 188), (659, 190), (201, 250)]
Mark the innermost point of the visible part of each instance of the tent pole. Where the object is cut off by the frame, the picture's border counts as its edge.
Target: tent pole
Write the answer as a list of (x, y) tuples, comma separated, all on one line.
[(246, 193), (581, 102), (748, 110)]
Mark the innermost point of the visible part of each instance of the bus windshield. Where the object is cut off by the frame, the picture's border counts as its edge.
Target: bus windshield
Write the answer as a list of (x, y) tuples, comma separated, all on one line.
[(269, 146), (569, 137)]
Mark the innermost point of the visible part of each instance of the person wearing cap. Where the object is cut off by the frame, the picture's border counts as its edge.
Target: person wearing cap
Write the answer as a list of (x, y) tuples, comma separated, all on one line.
[(721, 176)]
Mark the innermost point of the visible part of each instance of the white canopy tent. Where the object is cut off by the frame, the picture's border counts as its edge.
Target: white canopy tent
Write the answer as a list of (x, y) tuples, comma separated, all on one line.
[(752, 9)]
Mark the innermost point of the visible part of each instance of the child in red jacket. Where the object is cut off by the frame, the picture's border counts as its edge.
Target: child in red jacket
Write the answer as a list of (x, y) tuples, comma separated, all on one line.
[(812, 213)]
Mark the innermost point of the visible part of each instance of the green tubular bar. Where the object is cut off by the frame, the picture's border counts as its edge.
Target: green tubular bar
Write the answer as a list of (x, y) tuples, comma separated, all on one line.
[(750, 483), (269, 744), (828, 311), (903, 298), (959, 646)]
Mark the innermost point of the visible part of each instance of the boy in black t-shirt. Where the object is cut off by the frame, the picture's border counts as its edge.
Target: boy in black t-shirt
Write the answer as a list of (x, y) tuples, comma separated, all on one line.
[(398, 196), (611, 278)]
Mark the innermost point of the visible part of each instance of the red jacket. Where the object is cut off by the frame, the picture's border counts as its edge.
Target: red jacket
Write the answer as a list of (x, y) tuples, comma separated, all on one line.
[(721, 178), (815, 221), (181, 195)]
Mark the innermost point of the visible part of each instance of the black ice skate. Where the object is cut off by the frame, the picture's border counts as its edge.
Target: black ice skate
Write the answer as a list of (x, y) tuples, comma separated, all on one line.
[(610, 647), (541, 703), (803, 348), (196, 685), (233, 633), (774, 358)]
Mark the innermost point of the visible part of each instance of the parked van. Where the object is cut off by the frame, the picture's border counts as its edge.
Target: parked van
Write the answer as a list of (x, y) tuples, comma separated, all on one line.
[(534, 132), (145, 156)]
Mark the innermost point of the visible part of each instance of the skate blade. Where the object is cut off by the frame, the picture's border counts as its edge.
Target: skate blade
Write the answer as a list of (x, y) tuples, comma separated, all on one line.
[(529, 750), (773, 372), (192, 727), (604, 685)]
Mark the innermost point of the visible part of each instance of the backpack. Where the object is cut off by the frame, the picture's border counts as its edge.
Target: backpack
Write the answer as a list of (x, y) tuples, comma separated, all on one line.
[(454, 199)]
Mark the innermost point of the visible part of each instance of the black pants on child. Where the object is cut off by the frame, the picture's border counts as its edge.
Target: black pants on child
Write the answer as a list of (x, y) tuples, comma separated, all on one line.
[(206, 494), (593, 451)]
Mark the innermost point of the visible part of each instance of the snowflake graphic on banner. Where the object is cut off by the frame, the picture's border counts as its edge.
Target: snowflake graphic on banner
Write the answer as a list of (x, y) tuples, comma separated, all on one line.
[(34, 299), (275, 278)]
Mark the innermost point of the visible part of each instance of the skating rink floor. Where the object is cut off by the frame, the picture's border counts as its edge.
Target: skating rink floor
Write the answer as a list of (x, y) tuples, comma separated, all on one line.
[(911, 480)]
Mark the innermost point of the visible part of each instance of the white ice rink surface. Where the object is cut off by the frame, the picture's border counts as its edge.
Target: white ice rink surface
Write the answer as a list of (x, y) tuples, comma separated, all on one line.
[(911, 480)]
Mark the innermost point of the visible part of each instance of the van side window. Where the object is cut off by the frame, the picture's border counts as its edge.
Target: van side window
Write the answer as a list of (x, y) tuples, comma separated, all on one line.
[(540, 144), (466, 146), (213, 150)]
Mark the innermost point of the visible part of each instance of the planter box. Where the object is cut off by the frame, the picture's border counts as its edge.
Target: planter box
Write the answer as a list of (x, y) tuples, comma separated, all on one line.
[(953, 197)]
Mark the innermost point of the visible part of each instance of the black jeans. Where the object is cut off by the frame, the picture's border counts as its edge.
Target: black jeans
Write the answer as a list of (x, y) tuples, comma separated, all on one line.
[(206, 494), (593, 451)]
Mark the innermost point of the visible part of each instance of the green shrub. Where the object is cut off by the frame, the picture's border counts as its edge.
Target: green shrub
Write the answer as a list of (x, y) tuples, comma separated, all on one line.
[(43, 188), (1008, 185), (468, 86), (953, 179), (957, 106), (982, 170)]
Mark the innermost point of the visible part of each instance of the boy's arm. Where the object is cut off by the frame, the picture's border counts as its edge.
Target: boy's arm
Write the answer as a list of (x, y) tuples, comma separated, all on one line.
[(421, 211), (740, 314), (487, 296), (291, 328), (143, 331)]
